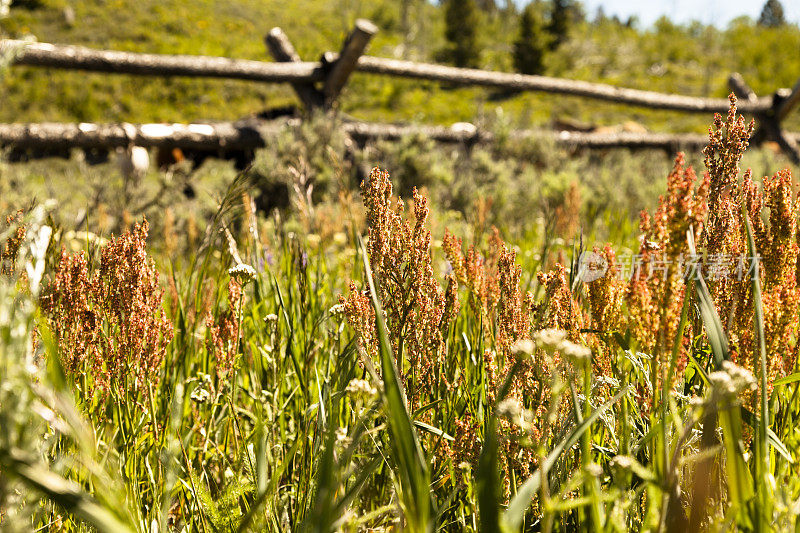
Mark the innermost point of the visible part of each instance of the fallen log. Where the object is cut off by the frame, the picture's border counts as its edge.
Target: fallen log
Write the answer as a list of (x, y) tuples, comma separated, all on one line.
[(224, 135), (252, 134)]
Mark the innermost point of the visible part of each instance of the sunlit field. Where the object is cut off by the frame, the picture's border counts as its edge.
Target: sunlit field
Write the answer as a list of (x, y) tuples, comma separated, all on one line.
[(509, 329), (351, 370)]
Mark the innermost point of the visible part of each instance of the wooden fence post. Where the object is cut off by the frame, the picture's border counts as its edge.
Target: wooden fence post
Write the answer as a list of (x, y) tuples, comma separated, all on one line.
[(743, 91), (282, 50), (345, 64), (769, 122), (790, 102)]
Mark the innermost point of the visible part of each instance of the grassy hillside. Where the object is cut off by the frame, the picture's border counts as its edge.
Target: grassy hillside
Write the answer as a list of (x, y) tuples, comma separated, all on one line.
[(693, 60)]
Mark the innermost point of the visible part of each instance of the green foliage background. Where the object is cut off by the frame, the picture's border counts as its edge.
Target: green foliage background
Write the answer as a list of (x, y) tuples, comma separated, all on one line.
[(689, 59)]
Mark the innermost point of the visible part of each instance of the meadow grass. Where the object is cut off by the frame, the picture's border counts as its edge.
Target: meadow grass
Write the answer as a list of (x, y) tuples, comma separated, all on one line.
[(353, 370)]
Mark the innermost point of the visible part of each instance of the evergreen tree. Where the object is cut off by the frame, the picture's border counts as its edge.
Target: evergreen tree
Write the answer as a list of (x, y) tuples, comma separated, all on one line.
[(531, 44), (462, 20), (772, 15), (488, 6), (600, 16), (560, 20)]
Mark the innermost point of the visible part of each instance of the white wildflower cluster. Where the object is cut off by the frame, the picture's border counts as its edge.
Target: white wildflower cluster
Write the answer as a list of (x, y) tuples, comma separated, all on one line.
[(555, 340), (550, 339), (242, 273), (336, 310), (200, 395), (624, 462), (594, 469), (313, 240), (576, 353), (361, 388), (523, 347), (512, 410), (696, 401), (732, 380), (340, 238), (623, 465), (205, 385), (341, 439), (272, 317)]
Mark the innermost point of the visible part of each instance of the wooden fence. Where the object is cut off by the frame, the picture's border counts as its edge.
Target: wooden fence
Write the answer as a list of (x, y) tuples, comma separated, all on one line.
[(252, 134), (319, 84)]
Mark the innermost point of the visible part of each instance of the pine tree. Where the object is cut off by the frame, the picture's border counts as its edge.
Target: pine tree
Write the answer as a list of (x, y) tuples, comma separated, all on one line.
[(600, 16), (487, 6), (462, 20), (560, 20), (772, 15), (531, 44)]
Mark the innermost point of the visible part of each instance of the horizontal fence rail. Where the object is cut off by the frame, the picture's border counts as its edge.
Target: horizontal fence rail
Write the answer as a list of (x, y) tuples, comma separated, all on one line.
[(252, 134), (80, 58), (87, 59), (523, 82), (319, 84), (189, 136)]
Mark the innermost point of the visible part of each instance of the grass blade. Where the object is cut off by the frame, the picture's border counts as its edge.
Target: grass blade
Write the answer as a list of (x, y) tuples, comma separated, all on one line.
[(739, 481), (716, 335), (486, 476), (65, 493), (414, 474), (787, 380), (772, 438), (433, 430), (762, 467), (488, 482), (512, 518)]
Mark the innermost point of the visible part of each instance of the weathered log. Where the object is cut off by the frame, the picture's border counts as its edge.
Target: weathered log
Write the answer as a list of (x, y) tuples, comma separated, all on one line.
[(365, 131), (353, 47), (785, 106), (671, 142), (740, 88), (252, 134), (80, 58), (788, 145), (743, 91), (571, 139), (769, 121), (282, 50), (789, 103), (523, 82), (223, 135)]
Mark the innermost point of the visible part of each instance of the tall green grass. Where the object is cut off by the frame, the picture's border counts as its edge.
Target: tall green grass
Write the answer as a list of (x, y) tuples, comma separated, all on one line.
[(310, 433)]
